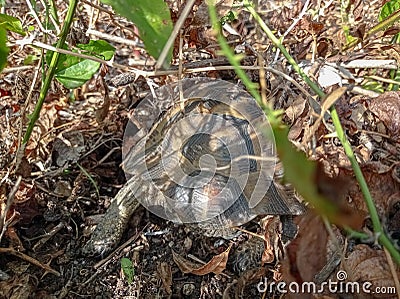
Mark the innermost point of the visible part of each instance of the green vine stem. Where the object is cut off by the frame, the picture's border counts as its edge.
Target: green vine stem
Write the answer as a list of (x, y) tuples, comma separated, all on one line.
[(286, 151), (377, 226), (378, 229), (389, 21), (381, 26), (50, 73)]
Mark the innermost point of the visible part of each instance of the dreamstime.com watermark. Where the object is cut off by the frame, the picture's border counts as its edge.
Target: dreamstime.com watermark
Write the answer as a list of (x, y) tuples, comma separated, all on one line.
[(334, 287)]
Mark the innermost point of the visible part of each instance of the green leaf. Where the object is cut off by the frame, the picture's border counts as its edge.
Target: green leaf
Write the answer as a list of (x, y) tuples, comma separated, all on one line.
[(30, 59), (12, 24), (4, 50), (373, 85), (98, 48), (301, 173), (77, 73), (74, 71), (128, 269), (389, 8), (228, 18), (395, 75), (152, 18)]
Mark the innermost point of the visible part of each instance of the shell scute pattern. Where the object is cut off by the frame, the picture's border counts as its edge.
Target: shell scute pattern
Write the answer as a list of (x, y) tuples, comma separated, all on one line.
[(197, 163)]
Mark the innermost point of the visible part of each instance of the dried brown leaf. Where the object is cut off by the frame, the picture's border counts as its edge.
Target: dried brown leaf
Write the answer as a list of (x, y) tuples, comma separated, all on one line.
[(184, 265), (334, 189), (165, 274), (358, 9), (24, 168), (311, 26), (216, 265), (387, 108), (24, 192), (296, 109), (102, 112), (306, 255), (18, 287), (329, 101), (324, 47), (393, 217), (359, 31), (45, 124), (14, 239), (68, 147), (297, 129), (270, 226), (365, 264), (391, 31), (381, 186)]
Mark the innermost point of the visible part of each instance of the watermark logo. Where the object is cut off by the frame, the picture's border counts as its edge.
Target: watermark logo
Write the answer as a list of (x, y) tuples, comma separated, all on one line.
[(194, 160), (341, 286)]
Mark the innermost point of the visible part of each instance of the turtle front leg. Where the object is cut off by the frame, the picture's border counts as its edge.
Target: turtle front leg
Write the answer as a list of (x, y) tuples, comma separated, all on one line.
[(109, 231)]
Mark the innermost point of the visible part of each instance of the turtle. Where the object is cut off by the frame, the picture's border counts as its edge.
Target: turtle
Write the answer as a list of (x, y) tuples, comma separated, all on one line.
[(199, 152)]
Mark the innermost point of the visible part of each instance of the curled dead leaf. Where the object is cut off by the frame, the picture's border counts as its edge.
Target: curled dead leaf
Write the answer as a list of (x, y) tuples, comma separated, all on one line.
[(271, 227), (216, 265), (365, 264)]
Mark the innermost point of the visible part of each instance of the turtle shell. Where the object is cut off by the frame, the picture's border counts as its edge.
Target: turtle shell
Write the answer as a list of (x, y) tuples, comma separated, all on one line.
[(202, 151)]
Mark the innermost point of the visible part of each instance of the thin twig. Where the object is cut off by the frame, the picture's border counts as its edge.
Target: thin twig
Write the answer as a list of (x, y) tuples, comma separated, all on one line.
[(17, 68), (384, 64), (10, 200), (100, 8), (84, 56), (385, 80), (295, 21), (30, 260), (19, 155), (47, 236), (112, 38), (35, 16), (171, 39), (393, 272), (388, 64), (180, 73)]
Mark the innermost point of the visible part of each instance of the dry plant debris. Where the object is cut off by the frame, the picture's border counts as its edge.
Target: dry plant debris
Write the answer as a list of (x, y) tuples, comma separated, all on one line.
[(71, 172)]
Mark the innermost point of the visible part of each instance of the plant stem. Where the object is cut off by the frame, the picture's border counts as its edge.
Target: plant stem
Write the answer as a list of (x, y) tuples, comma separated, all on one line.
[(287, 152), (378, 229), (390, 20), (50, 73)]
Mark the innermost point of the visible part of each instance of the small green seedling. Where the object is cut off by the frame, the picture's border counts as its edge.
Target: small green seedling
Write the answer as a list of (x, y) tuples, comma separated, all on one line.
[(127, 269)]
